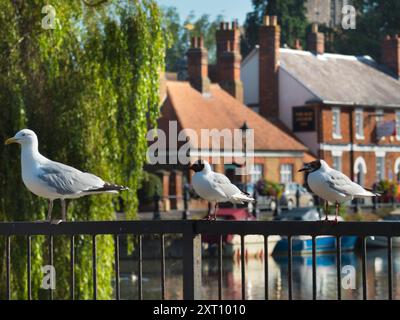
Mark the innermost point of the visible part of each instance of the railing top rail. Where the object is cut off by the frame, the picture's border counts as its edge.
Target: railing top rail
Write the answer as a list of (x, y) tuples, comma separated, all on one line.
[(312, 228)]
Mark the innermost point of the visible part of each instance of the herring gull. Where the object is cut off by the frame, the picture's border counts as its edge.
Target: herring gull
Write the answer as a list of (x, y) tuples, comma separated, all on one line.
[(53, 180)]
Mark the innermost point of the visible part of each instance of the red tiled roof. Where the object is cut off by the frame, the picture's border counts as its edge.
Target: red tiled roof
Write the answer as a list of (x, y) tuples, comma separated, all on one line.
[(220, 110)]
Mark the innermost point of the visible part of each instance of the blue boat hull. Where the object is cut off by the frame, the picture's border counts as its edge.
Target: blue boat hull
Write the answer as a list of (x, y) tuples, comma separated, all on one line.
[(324, 244)]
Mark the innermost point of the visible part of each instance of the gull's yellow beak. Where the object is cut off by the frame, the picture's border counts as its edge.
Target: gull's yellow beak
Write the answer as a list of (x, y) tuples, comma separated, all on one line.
[(11, 140)]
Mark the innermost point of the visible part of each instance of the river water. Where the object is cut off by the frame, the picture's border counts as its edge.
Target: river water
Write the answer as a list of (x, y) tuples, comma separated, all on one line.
[(377, 278)]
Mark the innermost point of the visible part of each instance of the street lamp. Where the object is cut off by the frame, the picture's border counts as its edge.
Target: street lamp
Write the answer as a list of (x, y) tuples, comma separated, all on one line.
[(244, 129)]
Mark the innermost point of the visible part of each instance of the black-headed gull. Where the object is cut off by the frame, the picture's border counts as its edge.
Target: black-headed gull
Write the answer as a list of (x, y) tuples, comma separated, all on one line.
[(332, 185), (54, 180), (215, 187)]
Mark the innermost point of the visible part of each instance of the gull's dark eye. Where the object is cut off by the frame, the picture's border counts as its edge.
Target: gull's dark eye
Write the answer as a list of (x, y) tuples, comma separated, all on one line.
[(23, 134)]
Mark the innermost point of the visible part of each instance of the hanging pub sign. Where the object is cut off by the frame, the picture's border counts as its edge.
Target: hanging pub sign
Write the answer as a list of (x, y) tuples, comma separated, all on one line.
[(385, 129), (303, 119)]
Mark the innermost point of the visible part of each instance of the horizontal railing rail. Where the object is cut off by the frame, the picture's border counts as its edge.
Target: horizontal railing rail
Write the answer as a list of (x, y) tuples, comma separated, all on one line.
[(191, 230), (381, 228)]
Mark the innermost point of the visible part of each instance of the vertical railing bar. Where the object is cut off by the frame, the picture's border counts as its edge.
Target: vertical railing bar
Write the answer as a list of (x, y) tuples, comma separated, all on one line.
[(364, 268), (162, 247), (140, 268), (72, 267), (390, 268), (116, 255), (8, 262), (314, 269), (266, 286), (94, 267), (28, 266), (242, 265), (290, 296), (51, 262), (220, 267), (338, 267)]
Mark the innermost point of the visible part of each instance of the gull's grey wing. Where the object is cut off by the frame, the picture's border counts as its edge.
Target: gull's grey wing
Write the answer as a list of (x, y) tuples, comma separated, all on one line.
[(341, 183), (224, 185), (67, 180)]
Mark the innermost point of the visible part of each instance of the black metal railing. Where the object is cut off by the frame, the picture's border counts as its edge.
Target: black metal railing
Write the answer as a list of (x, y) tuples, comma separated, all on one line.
[(191, 230)]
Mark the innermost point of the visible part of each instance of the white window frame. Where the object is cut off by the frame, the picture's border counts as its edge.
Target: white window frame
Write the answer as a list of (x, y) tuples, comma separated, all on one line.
[(397, 125), (339, 158), (286, 173), (256, 172), (336, 126), (380, 175), (359, 122)]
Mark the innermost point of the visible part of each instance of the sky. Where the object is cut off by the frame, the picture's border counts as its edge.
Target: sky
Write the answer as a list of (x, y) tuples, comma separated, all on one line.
[(230, 9)]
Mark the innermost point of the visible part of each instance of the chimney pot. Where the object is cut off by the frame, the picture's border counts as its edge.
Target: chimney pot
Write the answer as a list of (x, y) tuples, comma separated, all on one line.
[(266, 21), (221, 25), (314, 28), (316, 40), (273, 20)]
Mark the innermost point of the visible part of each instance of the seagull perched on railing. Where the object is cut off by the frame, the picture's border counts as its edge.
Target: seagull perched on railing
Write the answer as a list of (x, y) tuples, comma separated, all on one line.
[(53, 180), (215, 187), (332, 185)]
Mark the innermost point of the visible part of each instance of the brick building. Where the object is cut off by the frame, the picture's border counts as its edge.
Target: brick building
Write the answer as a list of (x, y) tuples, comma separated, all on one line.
[(216, 104), (346, 109)]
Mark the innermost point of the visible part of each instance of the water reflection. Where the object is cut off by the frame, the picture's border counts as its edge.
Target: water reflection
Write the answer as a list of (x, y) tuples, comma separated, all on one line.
[(377, 277)]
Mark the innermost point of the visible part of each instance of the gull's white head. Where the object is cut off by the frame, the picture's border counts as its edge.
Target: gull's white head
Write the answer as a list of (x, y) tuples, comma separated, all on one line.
[(24, 137), (200, 166)]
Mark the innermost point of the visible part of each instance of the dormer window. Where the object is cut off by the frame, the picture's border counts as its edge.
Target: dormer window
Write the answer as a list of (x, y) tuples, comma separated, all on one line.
[(336, 130)]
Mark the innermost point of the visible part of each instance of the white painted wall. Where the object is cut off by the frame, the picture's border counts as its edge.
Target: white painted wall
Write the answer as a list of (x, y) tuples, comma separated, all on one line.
[(249, 77), (292, 94)]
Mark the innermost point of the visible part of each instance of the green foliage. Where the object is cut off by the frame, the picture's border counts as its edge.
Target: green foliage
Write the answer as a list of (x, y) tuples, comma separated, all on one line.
[(151, 185), (291, 18), (375, 20), (179, 35), (89, 89), (387, 187), (269, 188)]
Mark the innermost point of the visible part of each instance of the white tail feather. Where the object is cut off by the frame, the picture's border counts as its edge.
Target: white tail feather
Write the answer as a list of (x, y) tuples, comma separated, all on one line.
[(241, 197)]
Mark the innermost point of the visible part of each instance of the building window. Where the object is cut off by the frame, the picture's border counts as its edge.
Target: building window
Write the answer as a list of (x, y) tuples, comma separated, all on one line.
[(337, 163), (336, 132), (398, 125), (380, 168), (286, 173), (359, 124), (256, 173)]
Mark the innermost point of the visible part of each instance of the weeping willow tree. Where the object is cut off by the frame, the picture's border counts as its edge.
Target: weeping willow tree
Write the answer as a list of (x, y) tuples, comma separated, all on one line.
[(88, 86)]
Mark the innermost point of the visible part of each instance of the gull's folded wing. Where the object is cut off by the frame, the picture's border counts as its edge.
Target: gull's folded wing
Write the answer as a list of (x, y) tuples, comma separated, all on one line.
[(341, 183), (67, 180), (224, 185)]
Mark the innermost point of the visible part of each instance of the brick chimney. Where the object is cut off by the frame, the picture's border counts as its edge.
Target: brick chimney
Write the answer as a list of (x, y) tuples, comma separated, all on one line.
[(269, 41), (391, 53), (229, 59), (198, 65), (316, 40)]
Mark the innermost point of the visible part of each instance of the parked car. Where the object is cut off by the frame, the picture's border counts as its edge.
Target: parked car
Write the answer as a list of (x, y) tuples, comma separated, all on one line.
[(289, 196)]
